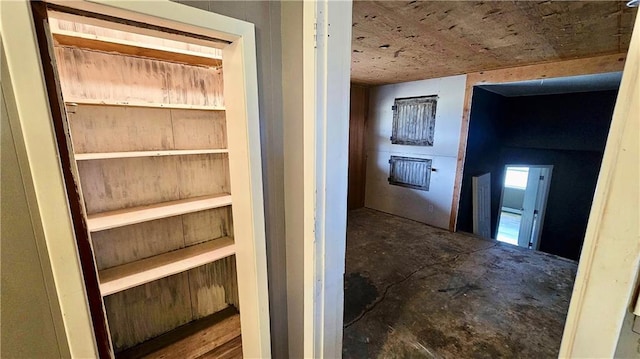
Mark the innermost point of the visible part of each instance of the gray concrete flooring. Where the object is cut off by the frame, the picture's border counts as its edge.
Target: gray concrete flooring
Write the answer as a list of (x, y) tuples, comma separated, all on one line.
[(414, 291)]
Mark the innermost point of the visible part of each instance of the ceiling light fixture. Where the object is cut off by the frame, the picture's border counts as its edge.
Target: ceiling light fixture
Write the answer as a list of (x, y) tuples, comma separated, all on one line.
[(633, 3)]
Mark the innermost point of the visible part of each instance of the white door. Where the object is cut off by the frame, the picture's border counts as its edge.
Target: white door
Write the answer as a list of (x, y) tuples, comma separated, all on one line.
[(533, 206), (544, 184), (482, 205), (529, 207)]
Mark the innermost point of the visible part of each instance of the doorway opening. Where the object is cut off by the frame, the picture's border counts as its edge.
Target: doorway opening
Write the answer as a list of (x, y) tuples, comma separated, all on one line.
[(523, 202)]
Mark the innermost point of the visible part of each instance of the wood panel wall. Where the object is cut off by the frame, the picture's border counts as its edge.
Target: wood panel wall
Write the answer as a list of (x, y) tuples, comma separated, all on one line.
[(357, 146)]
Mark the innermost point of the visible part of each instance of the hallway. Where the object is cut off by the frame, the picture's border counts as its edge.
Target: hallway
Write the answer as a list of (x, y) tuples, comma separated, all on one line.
[(414, 291)]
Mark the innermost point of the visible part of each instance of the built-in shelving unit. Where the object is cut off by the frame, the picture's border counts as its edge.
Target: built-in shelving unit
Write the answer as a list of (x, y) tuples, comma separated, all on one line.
[(147, 125)]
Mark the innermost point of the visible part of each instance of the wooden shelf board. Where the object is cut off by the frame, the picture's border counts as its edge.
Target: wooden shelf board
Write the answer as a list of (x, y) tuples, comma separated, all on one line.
[(133, 274), (218, 333), (111, 155), (124, 217), (81, 101), (134, 48)]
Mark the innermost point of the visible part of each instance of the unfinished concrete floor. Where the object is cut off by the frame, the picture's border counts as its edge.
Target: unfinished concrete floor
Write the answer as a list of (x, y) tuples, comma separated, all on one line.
[(414, 291)]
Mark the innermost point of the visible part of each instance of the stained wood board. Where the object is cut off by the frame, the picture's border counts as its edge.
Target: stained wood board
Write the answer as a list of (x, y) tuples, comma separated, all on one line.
[(203, 226), (205, 341), (357, 149), (127, 244), (213, 287), (180, 341), (112, 77), (130, 243), (230, 350), (114, 128), (143, 312), (199, 129), (111, 185)]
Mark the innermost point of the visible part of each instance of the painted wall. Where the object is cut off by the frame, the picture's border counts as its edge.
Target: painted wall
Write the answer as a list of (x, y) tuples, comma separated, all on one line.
[(293, 113), (567, 131), (434, 206), (28, 328)]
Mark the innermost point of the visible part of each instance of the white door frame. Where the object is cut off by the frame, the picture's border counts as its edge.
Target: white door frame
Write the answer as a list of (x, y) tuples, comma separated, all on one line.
[(541, 205), (327, 72), (529, 207), (44, 180)]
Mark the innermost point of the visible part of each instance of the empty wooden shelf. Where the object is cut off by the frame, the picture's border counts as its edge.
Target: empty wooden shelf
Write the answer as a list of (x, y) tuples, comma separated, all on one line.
[(125, 217), (132, 274), (129, 154), (85, 101)]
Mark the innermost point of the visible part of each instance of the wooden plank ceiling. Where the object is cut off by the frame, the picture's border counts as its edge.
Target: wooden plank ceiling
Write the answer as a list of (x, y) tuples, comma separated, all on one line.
[(398, 41)]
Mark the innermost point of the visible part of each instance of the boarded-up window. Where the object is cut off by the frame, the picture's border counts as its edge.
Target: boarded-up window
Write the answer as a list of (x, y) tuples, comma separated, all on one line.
[(414, 120), (410, 172)]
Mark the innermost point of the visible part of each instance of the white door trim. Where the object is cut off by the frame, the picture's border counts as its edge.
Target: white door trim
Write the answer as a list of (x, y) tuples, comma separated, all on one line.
[(326, 66)]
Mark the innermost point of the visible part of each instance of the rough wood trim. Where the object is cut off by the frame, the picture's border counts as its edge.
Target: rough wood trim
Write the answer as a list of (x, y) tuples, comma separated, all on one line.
[(586, 66), (358, 113)]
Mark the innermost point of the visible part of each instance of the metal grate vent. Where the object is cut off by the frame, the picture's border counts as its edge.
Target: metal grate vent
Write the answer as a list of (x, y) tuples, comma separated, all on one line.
[(410, 172), (414, 121)]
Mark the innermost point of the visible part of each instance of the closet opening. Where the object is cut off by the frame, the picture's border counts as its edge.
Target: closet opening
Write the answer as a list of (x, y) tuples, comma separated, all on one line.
[(150, 152)]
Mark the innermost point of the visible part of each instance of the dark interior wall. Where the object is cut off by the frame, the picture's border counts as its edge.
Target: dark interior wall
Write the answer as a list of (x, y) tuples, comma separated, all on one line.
[(575, 122), (483, 150), (567, 131), (573, 182)]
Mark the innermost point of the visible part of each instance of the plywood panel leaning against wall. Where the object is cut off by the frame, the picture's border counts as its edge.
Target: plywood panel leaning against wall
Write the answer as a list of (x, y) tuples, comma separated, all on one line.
[(148, 132)]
